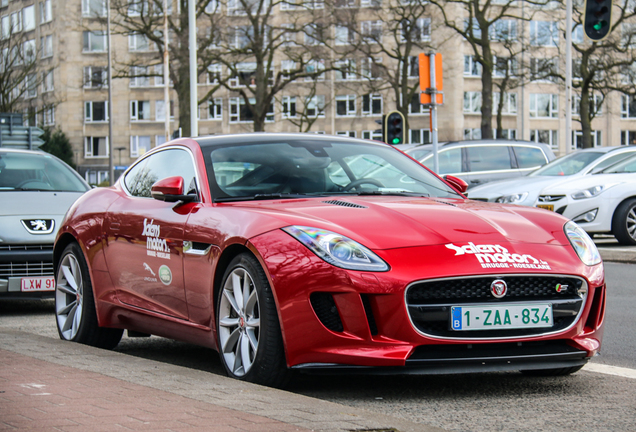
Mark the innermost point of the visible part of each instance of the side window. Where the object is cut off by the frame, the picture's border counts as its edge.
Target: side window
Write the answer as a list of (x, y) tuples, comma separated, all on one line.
[(450, 161), (158, 166), (612, 160), (488, 158), (529, 157)]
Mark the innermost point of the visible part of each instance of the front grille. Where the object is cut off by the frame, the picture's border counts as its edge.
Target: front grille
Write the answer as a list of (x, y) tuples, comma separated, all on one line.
[(550, 198), (429, 303), (326, 310), (26, 260)]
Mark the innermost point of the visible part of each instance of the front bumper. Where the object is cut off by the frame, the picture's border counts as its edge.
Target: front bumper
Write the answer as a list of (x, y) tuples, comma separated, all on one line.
[(24, 261), (338, 319), (574, 209)]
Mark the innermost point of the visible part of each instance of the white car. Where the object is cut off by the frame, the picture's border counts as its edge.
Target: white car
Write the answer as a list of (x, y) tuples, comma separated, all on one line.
[(599, 203), (525, 190)]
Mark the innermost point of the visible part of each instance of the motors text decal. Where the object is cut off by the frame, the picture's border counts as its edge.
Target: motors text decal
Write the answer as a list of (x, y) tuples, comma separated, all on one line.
[(155, 246), (496, 256)]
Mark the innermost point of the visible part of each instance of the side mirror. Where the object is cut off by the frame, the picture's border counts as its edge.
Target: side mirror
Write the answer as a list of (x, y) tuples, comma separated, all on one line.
[(171, 189), (458, 184)]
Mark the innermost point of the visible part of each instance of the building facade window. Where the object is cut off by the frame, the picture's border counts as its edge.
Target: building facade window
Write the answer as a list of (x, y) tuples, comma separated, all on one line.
[(472, 102), (94, 8), (214, 74), (544, 105), (215, 109), (503, 30), (31, 82), (344, 35), (317, 68), (372, 104), (139, 110), (346, 106), (472, 68), (418, 30), (46, 12), (595, 107), (577, 139), (289, 107), (95, 77), (371, 31), (372, 135), (549, 137), (241, 112), (95, 147), (510, 134), (628, 137), (139, 145), (420, 136), (95, 41), (28, 18), (628, 106), (472, 133), (48, 115), (139, 76), (416, 107), (138, 42), (350, 134), (46, 46), (315, 106), (346, 70), (544, 33), (509, 104), (160, 110), (371, 68), (95, 111)]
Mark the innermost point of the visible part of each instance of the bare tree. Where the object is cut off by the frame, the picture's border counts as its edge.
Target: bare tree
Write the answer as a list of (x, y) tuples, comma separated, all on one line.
[(488, 27)]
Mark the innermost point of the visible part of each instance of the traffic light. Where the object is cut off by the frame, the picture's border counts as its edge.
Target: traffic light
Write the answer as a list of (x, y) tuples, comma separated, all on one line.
[(382, 131), (598, 19), (394, 128)]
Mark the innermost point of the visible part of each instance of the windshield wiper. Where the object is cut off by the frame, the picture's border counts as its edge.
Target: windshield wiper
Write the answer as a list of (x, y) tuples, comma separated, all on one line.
[(265, 196), (387, 193)]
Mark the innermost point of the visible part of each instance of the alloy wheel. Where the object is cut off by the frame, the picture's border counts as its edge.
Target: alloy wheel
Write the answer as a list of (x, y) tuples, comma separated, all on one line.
[(69, 296), (239, 322)]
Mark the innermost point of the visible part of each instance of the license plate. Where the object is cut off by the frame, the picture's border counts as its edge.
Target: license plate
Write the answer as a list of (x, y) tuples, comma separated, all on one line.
[(546, 206), (42, 283), (501, 317)]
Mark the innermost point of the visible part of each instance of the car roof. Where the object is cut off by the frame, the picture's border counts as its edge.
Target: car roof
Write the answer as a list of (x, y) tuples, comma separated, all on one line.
[(256, 137), (15, 150), (478, 142)]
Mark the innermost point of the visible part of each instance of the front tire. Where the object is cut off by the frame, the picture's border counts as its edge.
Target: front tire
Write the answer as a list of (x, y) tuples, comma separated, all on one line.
[(624, 223), (75, 312), (249, 339)]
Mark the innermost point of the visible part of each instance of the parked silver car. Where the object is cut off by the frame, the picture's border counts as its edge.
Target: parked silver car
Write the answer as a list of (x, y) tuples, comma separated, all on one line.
[(526, 190), (36, 190), (482, 161)]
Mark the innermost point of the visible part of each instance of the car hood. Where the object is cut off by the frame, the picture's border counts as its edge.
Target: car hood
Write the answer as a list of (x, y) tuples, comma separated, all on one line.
[(36, 203), (585, 182), (532, 185), (398, 222)]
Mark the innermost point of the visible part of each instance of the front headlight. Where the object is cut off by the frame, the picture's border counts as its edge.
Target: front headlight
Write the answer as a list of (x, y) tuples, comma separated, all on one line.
[(337, 249), (512, 199), (588, 193), (582, 244)]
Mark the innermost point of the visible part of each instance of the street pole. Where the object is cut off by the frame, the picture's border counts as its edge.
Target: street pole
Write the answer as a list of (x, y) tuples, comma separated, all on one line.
[(568, 77), (192, 39), (111, 168), (433, 114), (166, 66)]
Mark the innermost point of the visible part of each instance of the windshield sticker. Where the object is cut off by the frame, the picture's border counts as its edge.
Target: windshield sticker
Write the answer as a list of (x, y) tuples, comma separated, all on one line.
[(155, 246), (148, 278), (497, 256)]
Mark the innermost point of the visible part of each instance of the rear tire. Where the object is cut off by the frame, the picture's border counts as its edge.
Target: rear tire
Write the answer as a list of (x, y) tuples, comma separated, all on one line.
[(75, 312), (552, 372), (624, 222), (249, 338)]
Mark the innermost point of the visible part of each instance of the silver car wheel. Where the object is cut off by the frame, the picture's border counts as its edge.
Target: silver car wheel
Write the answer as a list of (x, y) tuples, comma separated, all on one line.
[(239, 322), (69, 296), (631, 222)]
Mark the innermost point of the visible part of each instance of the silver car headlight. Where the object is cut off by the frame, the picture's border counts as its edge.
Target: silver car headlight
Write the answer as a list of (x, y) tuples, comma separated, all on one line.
[(337, 249), (582, 244), (512, 199), (588, 193)]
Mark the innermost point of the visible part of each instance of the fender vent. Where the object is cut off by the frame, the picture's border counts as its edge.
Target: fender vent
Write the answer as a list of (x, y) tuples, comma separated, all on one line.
[(326, 310), (344, 204)]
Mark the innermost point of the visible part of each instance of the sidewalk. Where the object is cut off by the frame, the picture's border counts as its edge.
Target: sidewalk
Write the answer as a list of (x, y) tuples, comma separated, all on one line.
[(611, 251), (48, 384)]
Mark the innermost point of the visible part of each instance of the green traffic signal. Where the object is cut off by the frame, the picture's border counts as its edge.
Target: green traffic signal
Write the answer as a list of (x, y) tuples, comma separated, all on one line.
[(599, 25), (598, 19), (396, 141)]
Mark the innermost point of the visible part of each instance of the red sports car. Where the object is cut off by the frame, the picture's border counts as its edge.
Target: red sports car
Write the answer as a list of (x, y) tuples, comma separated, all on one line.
[(319, 253)]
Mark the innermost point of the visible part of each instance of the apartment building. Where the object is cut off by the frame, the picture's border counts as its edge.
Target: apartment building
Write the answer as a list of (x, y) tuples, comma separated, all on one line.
[(72, 91)]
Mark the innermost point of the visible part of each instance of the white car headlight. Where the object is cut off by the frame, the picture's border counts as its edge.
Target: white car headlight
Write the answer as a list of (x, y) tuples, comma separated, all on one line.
[(337, 249), (582, 244), (588, 193), (512, 199)]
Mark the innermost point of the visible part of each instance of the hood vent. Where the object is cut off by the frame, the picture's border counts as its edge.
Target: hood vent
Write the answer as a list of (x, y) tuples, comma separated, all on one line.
[(344, 204)]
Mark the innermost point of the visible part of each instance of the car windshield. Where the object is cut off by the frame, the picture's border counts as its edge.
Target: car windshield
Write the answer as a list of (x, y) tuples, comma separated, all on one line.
[(302, 167), (625, 166), (568, 165), (36, 172)]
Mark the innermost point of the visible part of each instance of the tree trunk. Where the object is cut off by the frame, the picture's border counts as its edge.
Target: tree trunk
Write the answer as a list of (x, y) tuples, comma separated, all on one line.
[(586, 118), (486, 88)]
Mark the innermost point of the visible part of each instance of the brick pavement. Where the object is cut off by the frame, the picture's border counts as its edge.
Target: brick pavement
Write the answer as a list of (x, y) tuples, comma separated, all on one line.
[(51, 385), (38, 395)]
